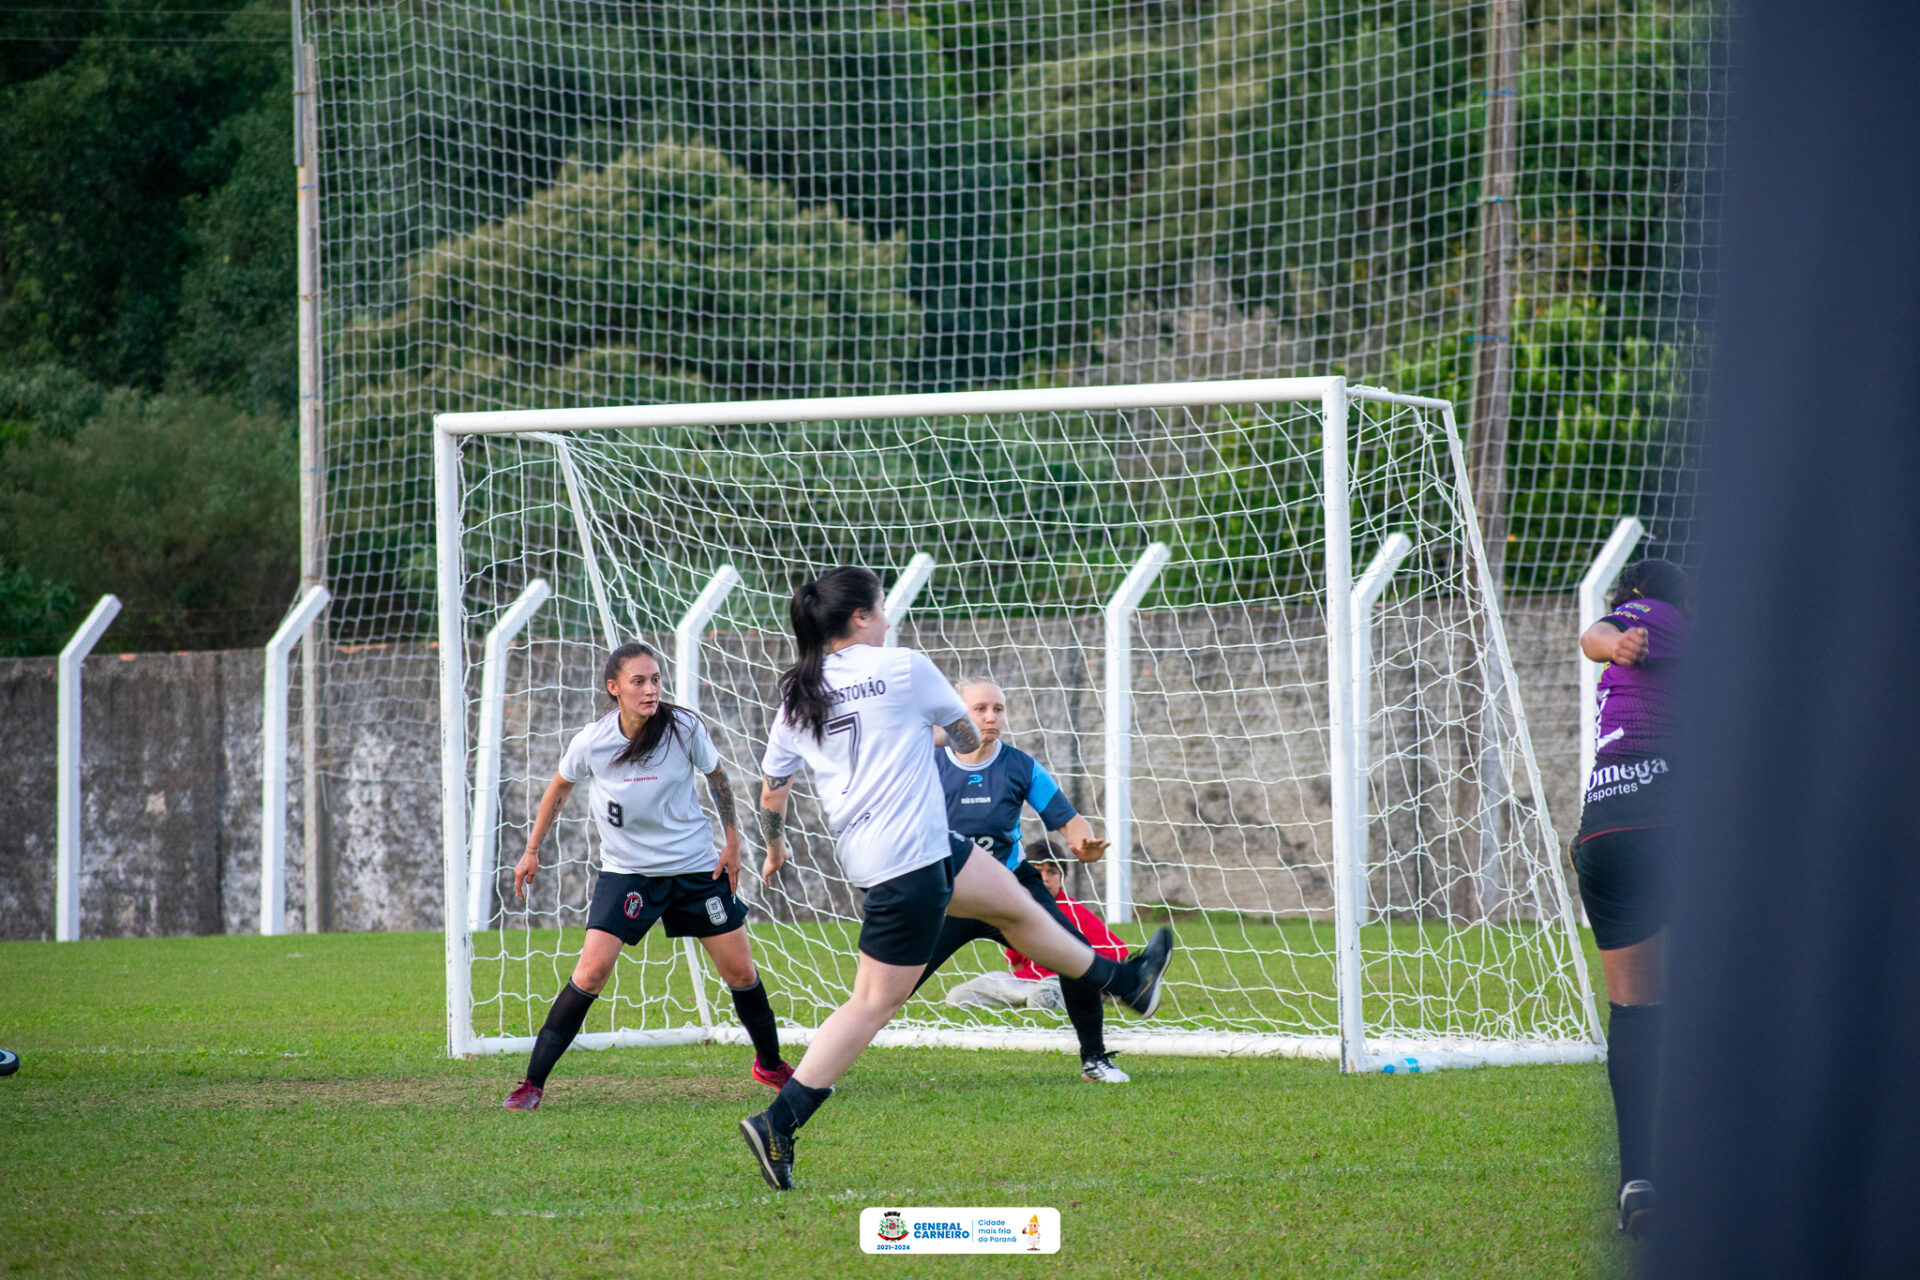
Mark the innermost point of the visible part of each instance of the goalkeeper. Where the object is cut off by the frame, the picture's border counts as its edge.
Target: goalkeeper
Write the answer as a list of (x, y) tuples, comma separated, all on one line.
[(986, 789), (657, 860), (1623, 847)]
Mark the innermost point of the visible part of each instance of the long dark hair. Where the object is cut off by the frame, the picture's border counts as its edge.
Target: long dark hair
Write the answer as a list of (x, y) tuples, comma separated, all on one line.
[(821, 612), (1652, 580), (659, 726)]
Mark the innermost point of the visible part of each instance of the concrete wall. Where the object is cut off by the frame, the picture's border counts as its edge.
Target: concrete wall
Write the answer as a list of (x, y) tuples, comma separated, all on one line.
[(1231, 798)]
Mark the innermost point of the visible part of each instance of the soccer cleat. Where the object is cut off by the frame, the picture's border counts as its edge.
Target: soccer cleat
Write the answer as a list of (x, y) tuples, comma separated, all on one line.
[(774, 1152), (775, 1078), (1151, 966), (525, 1097), (1099, 1069), (1636, 1208)]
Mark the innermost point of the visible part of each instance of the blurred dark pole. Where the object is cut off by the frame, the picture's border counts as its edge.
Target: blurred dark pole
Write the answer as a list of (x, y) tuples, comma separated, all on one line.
[(1790, 1117)]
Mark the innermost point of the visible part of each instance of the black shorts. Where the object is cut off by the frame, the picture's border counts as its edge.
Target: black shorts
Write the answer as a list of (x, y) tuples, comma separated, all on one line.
[(1623, 881), (900, 923), (691, 906)]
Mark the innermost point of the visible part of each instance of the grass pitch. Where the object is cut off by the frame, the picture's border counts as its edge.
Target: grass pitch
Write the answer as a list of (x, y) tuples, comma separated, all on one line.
[(282, 1106)]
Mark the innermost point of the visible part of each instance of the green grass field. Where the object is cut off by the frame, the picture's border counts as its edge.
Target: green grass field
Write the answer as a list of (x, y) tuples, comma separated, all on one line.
[(283, 1106)]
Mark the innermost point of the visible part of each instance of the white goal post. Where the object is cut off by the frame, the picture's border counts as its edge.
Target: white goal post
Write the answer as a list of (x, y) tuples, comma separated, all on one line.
[(1327, 786)]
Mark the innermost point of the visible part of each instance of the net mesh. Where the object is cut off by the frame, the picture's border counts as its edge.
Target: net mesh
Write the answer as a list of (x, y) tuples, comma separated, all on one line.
[(532, 203), (1032, 521)]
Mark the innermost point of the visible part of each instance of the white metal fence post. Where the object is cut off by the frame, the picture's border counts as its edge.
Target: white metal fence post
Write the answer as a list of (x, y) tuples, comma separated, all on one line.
[(1119, 620), (1593, 604), (906, 589), (1366, 593), (686, 685), (486, 763), (273, 759), (66, 925), (448, 563)]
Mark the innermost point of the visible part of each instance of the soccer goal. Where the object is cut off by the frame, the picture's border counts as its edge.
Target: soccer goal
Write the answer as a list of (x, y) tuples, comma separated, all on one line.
[(1246, 625)]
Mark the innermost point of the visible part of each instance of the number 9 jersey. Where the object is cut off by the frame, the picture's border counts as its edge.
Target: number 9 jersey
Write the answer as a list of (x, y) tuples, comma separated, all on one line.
[(872, 769), (648, 811)]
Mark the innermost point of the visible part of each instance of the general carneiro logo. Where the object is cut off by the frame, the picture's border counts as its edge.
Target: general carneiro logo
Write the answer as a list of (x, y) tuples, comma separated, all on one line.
[(1026, 1230), (892, 1225)]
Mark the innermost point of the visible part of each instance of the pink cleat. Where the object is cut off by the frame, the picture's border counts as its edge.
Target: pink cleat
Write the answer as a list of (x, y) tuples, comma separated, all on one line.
[(775, 1078), (525, 1097)]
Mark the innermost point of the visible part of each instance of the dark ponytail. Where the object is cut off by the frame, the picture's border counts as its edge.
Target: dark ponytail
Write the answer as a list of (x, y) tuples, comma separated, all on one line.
[(822, 612), (661, 724), (1652, 580)]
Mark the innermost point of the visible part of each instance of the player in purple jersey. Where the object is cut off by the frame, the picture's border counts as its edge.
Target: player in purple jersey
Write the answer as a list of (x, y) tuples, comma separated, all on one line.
[(1622, 850)]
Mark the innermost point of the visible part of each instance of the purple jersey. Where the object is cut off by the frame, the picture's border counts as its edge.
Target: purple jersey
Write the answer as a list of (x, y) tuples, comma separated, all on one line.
[(1638, 704)]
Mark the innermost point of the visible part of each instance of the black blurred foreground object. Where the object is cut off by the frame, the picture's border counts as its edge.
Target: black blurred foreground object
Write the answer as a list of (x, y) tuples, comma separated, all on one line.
[(1790, 1123)]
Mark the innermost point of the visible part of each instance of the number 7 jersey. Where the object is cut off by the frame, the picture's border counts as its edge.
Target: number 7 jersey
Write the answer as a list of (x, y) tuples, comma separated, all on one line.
[(872, 769)]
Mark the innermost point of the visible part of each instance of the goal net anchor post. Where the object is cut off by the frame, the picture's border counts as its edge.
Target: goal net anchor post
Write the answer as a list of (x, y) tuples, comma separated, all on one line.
[(273, 763), (1366, 594), (906, 589), (1119, 727), (486, 763), (686, 684)]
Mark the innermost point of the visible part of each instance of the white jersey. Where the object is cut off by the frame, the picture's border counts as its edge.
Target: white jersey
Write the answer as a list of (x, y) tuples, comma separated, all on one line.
[(873, 769), (648, 811)]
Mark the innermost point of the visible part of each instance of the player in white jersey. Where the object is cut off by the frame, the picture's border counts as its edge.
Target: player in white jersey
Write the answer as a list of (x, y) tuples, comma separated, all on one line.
[(641, 762), (857, 715)]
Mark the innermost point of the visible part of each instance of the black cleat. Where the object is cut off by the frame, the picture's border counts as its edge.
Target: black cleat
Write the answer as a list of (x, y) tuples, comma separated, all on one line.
[(1151, 966), (774, 1152), (1636, 1208)]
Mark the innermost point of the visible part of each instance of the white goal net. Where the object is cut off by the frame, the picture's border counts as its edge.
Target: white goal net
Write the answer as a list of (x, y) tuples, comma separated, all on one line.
[(1244, 624)]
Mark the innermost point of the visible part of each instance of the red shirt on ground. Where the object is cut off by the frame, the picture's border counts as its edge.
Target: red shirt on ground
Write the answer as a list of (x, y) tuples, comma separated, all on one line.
[(1091, 926)]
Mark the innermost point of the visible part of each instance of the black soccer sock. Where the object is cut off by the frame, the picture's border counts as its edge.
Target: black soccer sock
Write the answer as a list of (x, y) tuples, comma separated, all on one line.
[(1084, 1012), (1109, 976), (563, 1024), (794, 1105), (756, 1015), (1633, 1069)]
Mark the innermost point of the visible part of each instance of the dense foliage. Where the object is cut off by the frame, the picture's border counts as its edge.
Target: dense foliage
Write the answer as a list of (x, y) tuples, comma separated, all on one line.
[(559, 202)]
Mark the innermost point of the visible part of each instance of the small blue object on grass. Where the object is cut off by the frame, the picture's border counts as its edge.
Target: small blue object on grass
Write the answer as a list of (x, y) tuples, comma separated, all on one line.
[(9, 1062), (1410, 1066)]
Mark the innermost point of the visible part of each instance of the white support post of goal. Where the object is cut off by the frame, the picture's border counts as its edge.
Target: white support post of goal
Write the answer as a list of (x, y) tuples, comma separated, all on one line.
[(451, 570), (906, 589), (273, 760), (1119, 618), (1348, 876), (1366, 593), (486, 756), (686, 685), (67, 788), (1593, 604)]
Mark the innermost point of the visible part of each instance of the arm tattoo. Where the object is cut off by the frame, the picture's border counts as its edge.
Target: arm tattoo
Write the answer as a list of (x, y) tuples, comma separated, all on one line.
[(772, 822), (723, 797), (774, 784), (962, 736)]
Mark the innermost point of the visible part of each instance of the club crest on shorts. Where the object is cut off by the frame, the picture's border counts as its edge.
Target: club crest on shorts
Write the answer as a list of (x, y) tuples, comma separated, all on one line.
[(892, 1225), (635, 905), (716, 911)]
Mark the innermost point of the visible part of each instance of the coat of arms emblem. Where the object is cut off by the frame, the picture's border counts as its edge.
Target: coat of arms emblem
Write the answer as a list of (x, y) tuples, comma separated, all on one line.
[(892, 1225)]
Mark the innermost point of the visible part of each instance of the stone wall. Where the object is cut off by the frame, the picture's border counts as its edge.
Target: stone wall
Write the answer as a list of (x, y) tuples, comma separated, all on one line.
[(1231, 799)]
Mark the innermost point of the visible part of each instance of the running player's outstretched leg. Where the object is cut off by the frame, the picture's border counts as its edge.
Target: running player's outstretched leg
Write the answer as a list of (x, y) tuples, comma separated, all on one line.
[(985, 890), (569, 1011), (733, 961)]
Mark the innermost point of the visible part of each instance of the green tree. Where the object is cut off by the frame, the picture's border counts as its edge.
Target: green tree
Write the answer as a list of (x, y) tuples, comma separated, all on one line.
[(184, 507)]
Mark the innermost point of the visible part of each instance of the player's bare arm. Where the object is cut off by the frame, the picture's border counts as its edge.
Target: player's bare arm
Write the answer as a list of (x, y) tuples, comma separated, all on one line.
[(1086, 846), (963, 736), (550, 805), (774, 793), (1604, 642), (729, 824)]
